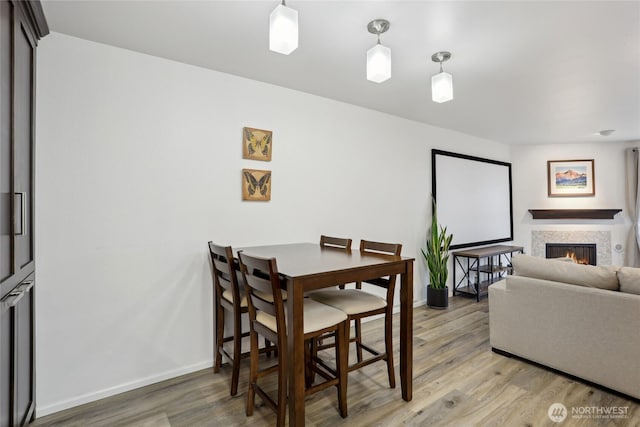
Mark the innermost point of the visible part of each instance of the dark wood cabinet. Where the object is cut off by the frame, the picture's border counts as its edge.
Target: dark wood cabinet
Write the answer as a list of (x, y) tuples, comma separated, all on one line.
[(17, 337), (22, 24)]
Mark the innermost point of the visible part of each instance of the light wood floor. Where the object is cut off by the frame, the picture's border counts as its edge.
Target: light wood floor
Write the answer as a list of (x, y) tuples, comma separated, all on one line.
[(458, 381)]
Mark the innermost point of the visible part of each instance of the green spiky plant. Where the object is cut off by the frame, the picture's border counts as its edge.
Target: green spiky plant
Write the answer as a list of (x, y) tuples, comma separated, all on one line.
[(437, 253)]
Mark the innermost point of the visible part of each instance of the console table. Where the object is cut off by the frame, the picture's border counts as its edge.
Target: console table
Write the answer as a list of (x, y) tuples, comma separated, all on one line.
[(493, 262)]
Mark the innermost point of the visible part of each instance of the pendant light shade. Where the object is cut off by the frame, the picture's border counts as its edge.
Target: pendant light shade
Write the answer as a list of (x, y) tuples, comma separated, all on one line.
[(379, 56), (441, 83), (283, 29), (378, 63), (442, 87)]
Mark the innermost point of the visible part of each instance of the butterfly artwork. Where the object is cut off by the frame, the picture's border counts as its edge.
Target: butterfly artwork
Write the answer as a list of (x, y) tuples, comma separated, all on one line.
[(256, 185), (256, 144)]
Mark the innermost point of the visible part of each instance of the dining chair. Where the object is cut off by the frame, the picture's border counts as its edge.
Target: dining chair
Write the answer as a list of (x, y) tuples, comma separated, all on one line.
[(335, 242), (267, 318), (358, 304), (229, 296)]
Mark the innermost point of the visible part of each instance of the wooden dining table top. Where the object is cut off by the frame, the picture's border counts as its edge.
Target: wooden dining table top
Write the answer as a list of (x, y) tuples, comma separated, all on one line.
[(310, 259)]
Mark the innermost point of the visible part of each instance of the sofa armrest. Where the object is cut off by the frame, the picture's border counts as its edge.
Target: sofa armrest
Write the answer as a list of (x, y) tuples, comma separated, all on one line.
[(588, 332)]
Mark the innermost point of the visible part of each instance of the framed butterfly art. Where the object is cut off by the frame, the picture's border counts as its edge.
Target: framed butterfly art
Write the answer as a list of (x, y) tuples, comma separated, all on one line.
[(256, 185), (256, 144)]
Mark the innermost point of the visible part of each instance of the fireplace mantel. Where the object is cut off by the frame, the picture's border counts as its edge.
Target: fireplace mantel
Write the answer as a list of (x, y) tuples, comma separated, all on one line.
[(574, 213)]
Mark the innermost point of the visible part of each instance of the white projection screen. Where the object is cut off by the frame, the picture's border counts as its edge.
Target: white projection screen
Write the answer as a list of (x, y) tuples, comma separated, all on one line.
[(473, 198)]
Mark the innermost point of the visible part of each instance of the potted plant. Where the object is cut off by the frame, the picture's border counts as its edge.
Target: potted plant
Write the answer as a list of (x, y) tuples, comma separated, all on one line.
[(437, 257)]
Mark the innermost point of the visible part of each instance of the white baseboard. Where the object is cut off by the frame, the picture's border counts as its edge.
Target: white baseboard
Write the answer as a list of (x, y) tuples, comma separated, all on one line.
[(418, 303), (41, 411)]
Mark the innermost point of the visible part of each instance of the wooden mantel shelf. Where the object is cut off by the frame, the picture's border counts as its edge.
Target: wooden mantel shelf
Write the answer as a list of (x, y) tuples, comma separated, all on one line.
[(574, 213)]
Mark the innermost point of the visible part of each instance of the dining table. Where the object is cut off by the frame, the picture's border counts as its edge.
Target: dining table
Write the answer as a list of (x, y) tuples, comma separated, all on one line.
[(305, 267)]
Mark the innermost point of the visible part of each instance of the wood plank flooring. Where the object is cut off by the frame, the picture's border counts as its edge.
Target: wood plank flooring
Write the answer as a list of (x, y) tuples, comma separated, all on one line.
[(458, 381)]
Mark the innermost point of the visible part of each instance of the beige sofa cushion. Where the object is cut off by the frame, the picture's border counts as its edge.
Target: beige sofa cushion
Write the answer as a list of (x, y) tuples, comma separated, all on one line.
[(566, 272), (629, 279)]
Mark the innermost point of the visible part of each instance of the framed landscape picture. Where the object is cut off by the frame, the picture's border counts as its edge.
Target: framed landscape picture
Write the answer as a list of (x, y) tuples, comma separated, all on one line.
[(256, 144), (570, 178), (256, 185)]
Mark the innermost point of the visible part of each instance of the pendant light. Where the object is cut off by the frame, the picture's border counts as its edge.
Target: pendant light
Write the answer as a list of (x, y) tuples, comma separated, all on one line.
[(283, 29), (441, 83), (379, 56)]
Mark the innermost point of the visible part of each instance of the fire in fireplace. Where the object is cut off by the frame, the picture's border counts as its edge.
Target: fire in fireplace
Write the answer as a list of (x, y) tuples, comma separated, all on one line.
[(581, 253)]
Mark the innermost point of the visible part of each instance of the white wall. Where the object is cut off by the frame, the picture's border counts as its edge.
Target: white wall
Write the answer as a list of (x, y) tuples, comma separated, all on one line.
[(138, 166), (530, 190)]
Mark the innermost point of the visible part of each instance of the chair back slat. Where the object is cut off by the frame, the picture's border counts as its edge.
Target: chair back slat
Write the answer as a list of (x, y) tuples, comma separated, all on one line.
[(261, 293), (221, 268), (263, 304), (222, 265), (335, 242), (379, 247), (224, 270), (258, 283), (263, 285)]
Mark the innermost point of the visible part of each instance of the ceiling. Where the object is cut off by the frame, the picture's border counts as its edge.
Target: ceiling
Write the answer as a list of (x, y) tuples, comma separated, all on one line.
[(523, 72)]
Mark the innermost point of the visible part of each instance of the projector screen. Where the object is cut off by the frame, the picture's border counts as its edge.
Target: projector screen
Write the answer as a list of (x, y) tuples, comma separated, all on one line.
[(473, 198)]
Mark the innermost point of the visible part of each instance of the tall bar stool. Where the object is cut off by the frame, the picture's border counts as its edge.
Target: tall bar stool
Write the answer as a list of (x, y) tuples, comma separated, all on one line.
[(228, 294), (335, 243), (267, 318), (358, 304)]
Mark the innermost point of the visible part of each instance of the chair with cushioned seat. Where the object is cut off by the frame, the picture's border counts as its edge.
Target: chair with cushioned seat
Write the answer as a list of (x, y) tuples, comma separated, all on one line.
[(358, 304), (336, 243), (267, 318), (228, 294)]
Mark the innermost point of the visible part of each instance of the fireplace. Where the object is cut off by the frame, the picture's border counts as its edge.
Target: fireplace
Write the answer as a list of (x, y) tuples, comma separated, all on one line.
[(581, 253), (602, 240)]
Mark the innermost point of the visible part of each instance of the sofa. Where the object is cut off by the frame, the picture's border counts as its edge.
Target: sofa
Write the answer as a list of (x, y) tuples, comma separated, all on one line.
[(582, 320)]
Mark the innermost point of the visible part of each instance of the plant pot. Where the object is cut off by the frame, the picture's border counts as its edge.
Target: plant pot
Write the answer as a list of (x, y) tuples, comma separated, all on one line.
[(437, 297)]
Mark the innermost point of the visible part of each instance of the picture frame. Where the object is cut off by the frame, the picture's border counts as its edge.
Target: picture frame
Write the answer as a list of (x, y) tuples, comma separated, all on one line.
[(256, 144), (571, 178), (256, 185)]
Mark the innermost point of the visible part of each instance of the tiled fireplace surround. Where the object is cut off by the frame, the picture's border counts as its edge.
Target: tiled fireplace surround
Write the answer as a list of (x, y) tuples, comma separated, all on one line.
[(602, 239)]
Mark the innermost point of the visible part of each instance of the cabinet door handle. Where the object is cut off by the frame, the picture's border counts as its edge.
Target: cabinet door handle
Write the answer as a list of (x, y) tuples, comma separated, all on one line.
[(26, 286), (22, 229), (13, 297)]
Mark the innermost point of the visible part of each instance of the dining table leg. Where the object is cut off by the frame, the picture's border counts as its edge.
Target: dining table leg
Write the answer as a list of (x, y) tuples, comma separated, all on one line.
[(295, 352), (406, 332)]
